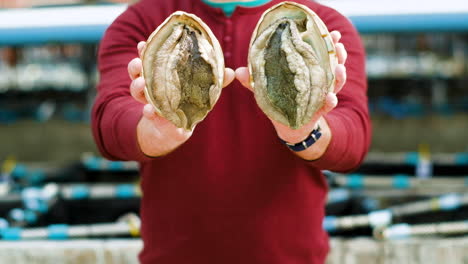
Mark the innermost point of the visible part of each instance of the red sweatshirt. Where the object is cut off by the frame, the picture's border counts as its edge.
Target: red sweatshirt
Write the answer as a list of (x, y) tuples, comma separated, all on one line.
[(233, 193)]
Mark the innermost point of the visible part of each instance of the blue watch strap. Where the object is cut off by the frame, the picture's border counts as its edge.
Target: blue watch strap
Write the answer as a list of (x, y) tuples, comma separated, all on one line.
[(309, 141)]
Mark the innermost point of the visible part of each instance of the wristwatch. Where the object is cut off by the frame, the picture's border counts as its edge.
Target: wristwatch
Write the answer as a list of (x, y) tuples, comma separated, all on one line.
[(309, 141)]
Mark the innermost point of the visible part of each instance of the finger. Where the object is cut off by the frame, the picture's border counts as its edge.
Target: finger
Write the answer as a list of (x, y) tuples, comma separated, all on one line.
[(165, 126), (242, 74), (181, 134), (137, 88), (336, 36), (141, 45), (229, 76), (331, 101), (148, 112), (134, 68), (341, 53), (340, 75)]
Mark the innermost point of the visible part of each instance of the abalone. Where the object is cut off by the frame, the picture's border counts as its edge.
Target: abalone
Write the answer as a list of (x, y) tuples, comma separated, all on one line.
[(291, 61), (183, 67)]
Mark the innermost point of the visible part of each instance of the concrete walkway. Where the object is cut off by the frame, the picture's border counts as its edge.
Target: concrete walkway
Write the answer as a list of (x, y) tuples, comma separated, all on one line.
[(350, 251)]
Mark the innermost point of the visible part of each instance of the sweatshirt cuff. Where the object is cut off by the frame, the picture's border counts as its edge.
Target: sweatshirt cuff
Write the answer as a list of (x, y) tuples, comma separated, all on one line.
[(124, 127), (132, 119), (337, 146)]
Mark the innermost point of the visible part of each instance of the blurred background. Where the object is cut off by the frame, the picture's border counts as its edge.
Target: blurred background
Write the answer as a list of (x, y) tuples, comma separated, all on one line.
[(413, 180)]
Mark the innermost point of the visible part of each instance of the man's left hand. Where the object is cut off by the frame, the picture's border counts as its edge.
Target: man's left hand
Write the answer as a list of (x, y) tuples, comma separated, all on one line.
[(331, 101)]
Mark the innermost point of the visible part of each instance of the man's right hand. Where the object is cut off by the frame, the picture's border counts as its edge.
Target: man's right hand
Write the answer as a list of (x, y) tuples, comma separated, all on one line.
[(156, 135)]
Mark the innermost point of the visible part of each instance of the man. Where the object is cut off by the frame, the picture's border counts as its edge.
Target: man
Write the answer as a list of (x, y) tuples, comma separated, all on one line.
[(231, 191)]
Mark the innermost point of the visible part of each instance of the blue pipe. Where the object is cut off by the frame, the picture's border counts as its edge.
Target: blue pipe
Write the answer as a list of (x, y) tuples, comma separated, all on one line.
[(456, 22)]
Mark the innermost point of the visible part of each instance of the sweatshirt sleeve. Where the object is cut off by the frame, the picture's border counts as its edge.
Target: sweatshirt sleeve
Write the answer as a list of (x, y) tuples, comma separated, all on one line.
[(349, 121), (115, 113)]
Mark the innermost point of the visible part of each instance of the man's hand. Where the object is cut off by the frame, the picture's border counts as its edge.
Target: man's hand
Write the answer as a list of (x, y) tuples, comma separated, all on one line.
[(298, 135), (156, 135)]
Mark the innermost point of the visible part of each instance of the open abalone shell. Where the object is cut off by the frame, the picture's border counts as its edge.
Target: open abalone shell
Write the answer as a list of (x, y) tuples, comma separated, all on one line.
[(183, 67), (291, 61)]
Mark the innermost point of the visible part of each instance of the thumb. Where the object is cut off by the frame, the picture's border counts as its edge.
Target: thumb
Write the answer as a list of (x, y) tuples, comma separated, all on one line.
[(242, 74), (331, 101), (229, 76)]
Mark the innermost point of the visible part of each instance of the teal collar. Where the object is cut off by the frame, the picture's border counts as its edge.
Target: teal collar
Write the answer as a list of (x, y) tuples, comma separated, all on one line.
[(229, 7)]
